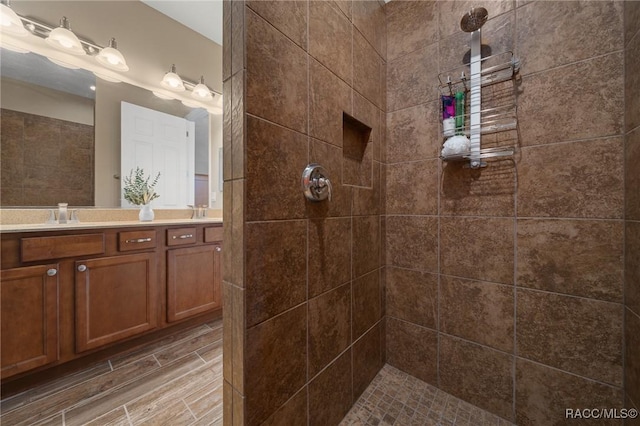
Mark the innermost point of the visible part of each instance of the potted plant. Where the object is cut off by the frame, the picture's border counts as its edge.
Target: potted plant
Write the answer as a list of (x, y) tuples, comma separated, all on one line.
[(140, 192)]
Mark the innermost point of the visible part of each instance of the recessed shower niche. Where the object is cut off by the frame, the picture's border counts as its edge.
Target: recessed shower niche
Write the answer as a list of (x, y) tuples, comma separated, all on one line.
[(357, 152)]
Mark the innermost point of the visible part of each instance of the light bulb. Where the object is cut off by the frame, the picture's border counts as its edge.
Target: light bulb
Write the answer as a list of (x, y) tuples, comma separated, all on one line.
[(112, 58), (201, 91), (11, 22), (172, 81), (64, 39), (65, 42)]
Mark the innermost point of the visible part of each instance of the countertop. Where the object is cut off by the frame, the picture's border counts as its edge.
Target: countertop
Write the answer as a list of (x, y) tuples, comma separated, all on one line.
[(38, 227)]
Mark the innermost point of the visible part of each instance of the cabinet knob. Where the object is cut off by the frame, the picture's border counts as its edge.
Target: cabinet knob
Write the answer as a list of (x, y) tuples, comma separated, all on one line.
[(82, 268), (52, 272), (218, 248)]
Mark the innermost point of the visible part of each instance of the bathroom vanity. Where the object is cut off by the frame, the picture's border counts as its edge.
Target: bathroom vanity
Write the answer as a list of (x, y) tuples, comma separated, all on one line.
[(88, 291)]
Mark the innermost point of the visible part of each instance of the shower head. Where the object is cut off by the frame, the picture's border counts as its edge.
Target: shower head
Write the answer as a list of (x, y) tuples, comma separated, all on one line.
[(474, 19)]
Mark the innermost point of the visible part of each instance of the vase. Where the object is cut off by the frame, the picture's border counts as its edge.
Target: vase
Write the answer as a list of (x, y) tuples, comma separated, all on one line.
[(146, 213)]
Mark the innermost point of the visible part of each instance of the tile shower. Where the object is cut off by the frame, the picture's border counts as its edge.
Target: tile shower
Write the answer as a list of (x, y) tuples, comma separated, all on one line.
[(515, 288)]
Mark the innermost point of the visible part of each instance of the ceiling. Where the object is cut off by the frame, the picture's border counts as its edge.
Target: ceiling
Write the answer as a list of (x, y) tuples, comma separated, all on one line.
[(202, 16)]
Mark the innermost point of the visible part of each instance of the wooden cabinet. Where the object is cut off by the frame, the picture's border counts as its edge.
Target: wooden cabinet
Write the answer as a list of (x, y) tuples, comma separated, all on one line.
[(69, 294), (116, 298), (29, 315), (194, 277)]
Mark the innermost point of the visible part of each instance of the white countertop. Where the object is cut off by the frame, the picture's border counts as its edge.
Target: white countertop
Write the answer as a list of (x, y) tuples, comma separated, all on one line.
[(33, 227)]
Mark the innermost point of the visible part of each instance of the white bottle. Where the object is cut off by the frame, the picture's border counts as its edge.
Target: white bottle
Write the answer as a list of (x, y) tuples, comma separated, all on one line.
[(449, 126)]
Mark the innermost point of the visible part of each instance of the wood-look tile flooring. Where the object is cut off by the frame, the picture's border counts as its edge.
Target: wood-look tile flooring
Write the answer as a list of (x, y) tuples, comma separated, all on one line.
[(396, 398), (175, 381), (178, 381)]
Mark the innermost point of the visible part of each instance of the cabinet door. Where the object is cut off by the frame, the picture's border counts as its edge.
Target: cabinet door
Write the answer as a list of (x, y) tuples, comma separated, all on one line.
[(29, 314), (193, 281), (116, 298)]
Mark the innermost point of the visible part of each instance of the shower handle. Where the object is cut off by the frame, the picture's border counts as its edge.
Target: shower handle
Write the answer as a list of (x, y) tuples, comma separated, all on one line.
[(316, 186)]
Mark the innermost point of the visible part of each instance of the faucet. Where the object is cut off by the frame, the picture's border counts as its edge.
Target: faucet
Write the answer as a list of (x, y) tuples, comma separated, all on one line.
[(62, 212), (198, 212), (64, 215)]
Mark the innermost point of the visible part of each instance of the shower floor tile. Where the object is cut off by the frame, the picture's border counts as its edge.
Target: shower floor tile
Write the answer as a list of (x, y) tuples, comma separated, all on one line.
[(397, 398)]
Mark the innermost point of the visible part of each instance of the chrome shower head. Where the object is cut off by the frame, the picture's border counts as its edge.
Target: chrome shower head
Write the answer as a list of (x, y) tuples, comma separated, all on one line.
[(474, 19)]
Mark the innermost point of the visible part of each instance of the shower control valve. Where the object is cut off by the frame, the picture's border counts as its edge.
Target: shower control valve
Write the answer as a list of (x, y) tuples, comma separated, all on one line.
[(316, 186)]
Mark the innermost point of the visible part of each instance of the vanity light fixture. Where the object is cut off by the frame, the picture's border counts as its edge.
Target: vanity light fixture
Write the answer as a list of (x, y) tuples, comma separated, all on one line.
[(191, 104), (201, 92), (64, 39), (10, 21), (12, 48), (107, 78), (201, 95), (173, 81), (111, 57), (162, 95), (218, 101), (63, 64)]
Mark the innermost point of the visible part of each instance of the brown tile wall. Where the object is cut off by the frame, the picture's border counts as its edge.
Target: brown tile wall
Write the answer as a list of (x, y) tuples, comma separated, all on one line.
[(303, 292), (632, 205), (506, 286), (45, 161)]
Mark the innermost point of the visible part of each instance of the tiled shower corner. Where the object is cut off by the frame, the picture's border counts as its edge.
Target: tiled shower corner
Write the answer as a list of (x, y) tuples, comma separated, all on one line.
[(397, 398)]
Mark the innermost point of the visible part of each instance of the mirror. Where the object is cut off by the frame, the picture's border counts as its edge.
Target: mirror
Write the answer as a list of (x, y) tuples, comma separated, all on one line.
[(71, 150)]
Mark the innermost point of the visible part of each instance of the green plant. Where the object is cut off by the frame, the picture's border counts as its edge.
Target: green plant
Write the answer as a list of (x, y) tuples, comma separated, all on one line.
[(137, 189)]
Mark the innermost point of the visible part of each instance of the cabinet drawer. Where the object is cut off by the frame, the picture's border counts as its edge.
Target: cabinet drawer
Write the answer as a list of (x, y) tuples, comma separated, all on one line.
[(181, 236), (46, 248), (136, 240), (213, 234)]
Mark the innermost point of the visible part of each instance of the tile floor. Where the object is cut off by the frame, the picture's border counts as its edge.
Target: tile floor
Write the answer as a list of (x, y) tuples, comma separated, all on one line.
[(178, 381), (396, 398)]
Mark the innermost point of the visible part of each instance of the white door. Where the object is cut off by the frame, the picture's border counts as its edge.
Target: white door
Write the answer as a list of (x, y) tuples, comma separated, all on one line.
[(158, 142)]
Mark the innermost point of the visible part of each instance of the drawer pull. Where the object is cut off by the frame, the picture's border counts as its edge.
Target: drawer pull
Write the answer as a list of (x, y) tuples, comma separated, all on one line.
[(218, 248), (139, 240), (82, 268), (183, 236), (52, 272)]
